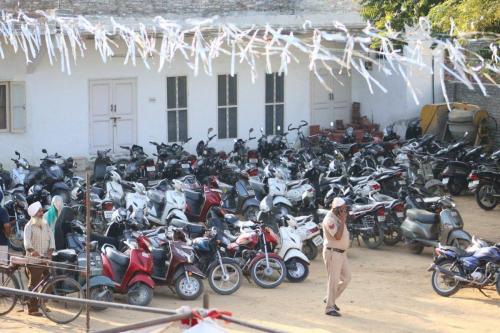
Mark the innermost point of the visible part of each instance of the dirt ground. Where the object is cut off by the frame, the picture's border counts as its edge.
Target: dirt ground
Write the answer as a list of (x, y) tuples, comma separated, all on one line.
[(390, 292)]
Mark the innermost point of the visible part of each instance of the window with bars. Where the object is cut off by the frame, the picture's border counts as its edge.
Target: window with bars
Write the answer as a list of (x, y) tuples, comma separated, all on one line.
[(275, 103), (227, 106), (177, 108), (12, 107)]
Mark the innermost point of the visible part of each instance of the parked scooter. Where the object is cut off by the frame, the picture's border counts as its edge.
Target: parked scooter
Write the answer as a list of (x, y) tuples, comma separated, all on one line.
[(422, 228), (131, 274), (238, 198), (20, 172), (174, 262), (16, 206)]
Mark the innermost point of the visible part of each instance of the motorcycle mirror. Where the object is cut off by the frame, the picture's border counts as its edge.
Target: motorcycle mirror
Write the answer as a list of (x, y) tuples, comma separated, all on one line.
[(250, 130), (44, 151), (262, 130), (210, 129), (17, 154), (289, 126), (188, 139), (131, 209)]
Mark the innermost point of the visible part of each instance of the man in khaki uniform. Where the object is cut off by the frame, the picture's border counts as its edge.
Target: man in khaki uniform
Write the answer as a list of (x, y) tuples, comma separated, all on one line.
[(336, 242)]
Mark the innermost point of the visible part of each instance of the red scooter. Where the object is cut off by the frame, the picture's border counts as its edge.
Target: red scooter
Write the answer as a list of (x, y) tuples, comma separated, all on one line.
[(131, 274), (199, 199), (174, 263)]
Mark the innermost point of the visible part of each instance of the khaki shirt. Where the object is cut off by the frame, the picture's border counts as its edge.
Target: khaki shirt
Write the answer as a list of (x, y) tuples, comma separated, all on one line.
[(330, 226)]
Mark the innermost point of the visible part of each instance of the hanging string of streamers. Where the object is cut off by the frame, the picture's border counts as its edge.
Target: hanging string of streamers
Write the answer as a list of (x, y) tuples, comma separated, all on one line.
[(200, 42)]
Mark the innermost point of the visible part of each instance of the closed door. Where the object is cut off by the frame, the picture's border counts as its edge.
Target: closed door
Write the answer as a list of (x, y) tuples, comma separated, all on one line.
[(326, 106), (112, 112)]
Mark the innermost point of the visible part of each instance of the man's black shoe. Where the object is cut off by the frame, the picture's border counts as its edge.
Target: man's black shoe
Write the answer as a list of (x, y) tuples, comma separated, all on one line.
[(333, 313)]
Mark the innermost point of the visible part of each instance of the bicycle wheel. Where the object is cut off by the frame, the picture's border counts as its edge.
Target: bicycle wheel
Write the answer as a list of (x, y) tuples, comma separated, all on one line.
[(62, 312), (8, 301)]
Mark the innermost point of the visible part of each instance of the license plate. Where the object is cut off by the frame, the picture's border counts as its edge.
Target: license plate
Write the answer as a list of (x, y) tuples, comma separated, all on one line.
[(253, 160), (318, 240), (153, 182), (150, 168), (185, 165), (108, 214), (381, 218), (402, 182), (445, 181), (419, 200), (474, 183), (357, 154), (400, 214)]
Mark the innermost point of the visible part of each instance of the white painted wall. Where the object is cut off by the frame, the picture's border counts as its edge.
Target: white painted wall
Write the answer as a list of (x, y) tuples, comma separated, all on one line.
[(398, 103), (58, 104)]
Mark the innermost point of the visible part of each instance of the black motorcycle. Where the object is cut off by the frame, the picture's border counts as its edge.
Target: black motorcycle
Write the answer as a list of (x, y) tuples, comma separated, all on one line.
[(224, 274), (139, 167), (16, 207), (102, 162)]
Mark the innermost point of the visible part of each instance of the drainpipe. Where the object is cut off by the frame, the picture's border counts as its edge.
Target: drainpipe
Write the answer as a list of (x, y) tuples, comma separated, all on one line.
[(432, 83)]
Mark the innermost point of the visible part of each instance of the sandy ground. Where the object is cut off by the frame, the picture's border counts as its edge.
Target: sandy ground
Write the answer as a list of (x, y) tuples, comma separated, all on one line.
[(390, 292)]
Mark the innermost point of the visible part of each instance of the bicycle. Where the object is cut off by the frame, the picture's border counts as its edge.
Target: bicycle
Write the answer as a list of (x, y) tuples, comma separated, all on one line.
[(60, 312)]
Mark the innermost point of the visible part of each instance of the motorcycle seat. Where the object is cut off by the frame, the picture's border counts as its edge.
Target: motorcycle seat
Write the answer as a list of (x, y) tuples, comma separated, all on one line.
[(192, 229), (356, 208), (117, 257), (357, 180), (296, 183), (193, 195), (244, 224), (422, 216), (65, 255)]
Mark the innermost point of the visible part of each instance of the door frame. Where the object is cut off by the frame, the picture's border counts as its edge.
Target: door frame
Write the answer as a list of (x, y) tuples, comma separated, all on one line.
[(134, 106)]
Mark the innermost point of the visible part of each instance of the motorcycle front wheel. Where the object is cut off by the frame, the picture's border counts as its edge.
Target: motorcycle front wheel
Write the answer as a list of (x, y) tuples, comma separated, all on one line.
[(373, 238), (225, 284), (188, 287), (445, 285), (268, 277), (455, 186), (485, 196)]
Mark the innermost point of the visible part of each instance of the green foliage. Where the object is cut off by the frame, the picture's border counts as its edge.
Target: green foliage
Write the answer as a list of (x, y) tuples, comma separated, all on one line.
[(469, 15)]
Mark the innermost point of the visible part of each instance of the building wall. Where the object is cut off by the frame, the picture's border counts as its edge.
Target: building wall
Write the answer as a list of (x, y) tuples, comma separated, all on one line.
[(458, 92), (398, 104), (58, 108), (181, 7)]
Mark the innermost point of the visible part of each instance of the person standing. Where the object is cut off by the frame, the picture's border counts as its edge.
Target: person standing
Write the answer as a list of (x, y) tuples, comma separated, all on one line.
[(335, 245), (38, 242), (54, 211), (4, 233)]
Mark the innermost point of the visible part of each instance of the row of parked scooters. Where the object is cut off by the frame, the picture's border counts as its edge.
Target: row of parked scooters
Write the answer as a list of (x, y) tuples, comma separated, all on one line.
[(254, 213)]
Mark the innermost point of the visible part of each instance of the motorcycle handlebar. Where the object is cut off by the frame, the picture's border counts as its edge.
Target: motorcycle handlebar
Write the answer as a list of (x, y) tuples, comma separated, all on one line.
[(125, 147), (154, 143)]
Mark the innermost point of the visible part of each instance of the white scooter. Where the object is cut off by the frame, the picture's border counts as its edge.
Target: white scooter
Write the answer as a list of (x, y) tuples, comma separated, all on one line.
[(175, 204), (20, 172), (137, 201), (309, 232), (296, 262)]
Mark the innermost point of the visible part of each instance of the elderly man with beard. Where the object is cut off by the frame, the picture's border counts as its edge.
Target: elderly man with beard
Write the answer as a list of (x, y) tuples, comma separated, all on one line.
[(38, 242)]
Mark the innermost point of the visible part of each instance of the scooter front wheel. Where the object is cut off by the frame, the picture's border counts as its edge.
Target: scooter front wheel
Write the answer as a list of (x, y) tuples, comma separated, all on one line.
[(297, 270), (140, 294), (101, 293), (188, 287), (268, 277)]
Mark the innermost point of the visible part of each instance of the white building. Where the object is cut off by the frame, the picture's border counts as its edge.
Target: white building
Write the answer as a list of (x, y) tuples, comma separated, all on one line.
[(107, 105)]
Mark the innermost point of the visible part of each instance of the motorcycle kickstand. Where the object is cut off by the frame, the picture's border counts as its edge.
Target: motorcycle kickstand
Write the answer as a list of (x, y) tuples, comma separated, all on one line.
[(482, 292)]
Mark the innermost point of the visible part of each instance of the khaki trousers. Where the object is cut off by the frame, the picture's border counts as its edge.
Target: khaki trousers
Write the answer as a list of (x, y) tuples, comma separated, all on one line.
[(339, 275), (35, 275)]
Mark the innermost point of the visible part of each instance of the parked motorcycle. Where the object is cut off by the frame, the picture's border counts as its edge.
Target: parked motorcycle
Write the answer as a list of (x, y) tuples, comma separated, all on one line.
[(454, 269)]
